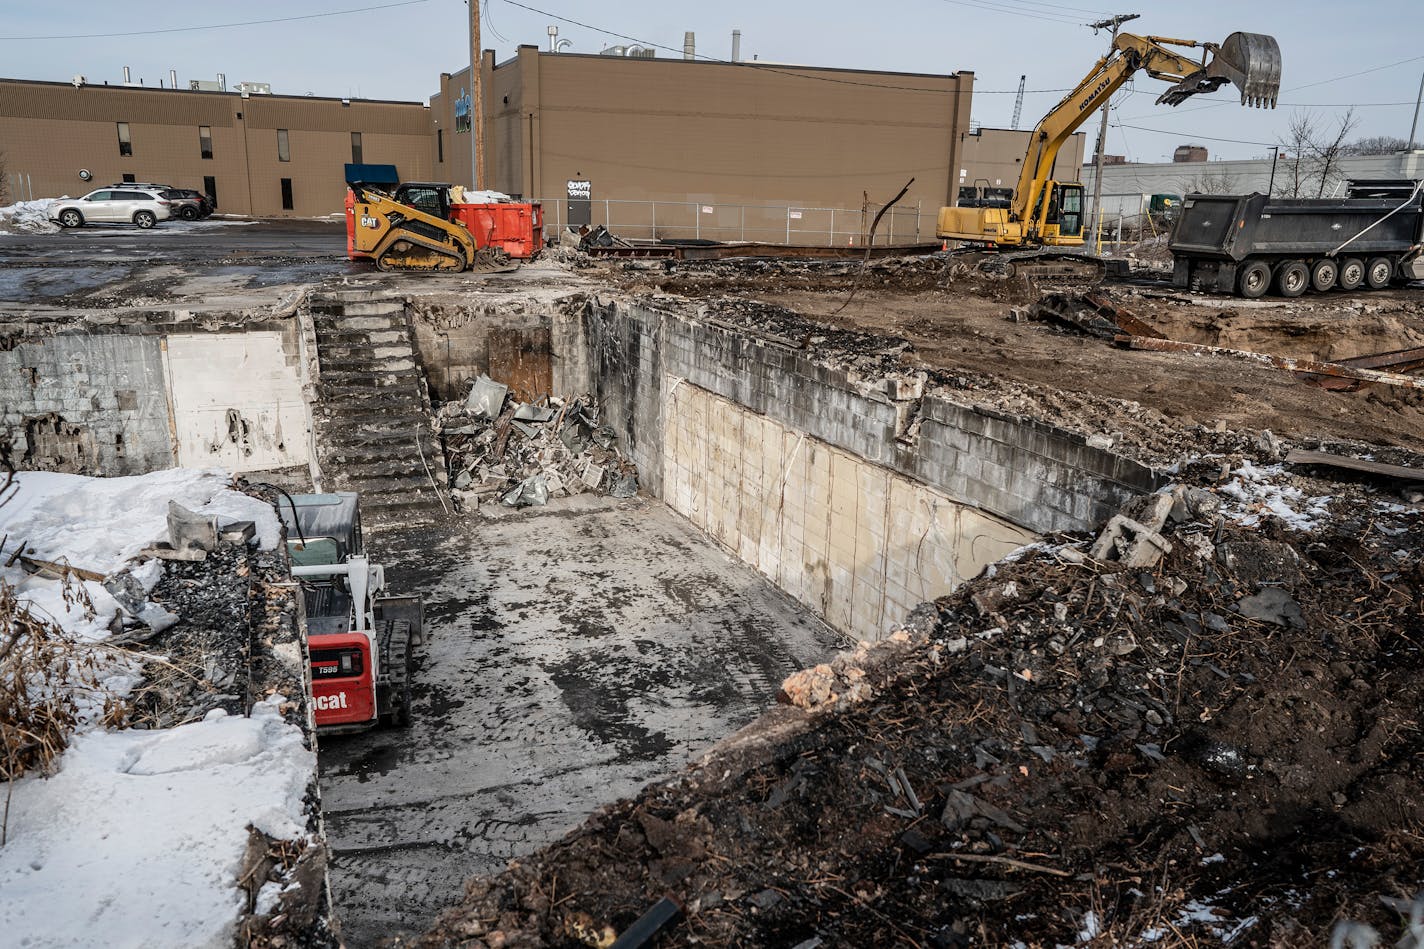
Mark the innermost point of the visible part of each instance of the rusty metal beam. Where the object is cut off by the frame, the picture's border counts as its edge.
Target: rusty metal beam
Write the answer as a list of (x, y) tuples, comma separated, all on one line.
[(1289, 364), (1398, 360), (1130, 322)]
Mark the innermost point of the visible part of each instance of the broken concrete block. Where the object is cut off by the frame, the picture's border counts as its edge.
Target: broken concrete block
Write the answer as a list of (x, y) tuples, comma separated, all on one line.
[(1130, 543), (1150, 511), (1272, 605), (125, 588), (462, 480), (188, 530), (1192, 504), (237, 533), (157, 618), (592, 475)]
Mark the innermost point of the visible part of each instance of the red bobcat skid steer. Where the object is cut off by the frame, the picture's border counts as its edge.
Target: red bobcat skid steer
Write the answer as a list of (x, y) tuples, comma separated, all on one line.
[(359, 640)]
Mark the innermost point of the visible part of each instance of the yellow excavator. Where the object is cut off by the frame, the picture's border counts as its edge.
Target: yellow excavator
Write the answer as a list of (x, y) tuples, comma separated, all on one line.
[(403, 237), (1049, 213)]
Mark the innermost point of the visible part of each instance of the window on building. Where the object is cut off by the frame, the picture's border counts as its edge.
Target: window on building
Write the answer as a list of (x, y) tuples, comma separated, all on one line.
[(125, 143), (210, 188), (130, 178), (440, 145), (287, 204), (355, 148), (205, 140), (284, 150)]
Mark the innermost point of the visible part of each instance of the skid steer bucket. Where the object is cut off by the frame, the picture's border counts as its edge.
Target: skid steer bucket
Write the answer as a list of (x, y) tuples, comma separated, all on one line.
[(1249, 61)]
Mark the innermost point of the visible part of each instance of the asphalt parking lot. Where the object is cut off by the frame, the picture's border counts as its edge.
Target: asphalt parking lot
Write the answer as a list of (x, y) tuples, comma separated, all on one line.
[(104, 266)]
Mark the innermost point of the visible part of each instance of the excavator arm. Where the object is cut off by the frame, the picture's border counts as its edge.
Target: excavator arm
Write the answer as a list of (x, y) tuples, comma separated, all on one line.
[(1252, 61)]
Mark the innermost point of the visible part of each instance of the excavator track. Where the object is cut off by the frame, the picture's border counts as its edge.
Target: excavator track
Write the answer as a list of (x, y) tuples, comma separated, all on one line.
[(407, 251), (1043, 265)]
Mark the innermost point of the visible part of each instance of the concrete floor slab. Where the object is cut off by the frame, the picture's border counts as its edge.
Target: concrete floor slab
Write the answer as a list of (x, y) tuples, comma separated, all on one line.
[(573, 654)]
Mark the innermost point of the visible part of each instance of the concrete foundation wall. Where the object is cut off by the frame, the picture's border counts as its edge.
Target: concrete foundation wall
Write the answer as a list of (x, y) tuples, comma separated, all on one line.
[(860, 497), (87, 404), (1030, 473), (858, 544), (134, 399)]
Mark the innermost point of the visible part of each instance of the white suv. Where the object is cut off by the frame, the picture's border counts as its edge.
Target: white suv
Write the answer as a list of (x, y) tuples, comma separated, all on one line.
[(141, 206)]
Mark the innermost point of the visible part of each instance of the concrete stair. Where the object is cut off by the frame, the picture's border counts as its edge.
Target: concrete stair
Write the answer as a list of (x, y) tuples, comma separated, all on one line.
[(372, 417)]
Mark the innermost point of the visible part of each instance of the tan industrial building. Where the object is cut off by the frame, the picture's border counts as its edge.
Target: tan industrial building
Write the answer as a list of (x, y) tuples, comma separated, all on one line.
[(653, 146), (263, 155), (725, 150)]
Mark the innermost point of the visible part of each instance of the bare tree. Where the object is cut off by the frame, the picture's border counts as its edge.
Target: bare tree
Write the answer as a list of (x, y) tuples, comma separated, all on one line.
[(1209, 182), (1328, 152), (1376, 145), (4, 182), (1314, 154), (1294, 158)]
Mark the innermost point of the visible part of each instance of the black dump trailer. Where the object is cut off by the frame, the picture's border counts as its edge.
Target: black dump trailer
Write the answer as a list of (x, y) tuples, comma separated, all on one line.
[(1250, 244)]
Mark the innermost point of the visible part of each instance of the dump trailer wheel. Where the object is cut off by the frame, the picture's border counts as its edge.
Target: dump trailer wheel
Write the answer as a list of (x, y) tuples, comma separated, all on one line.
[(1378, 272), (1292, 278), (1254, 279), (1323, 274), (1352, 274)]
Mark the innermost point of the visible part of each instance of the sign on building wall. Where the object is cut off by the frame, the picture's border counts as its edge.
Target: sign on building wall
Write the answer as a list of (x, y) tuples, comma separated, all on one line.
[(580, 202), (462, 112)]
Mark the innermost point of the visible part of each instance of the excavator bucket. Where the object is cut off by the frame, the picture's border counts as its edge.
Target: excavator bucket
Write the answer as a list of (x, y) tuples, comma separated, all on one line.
[(1252, 62), (1249, 61)]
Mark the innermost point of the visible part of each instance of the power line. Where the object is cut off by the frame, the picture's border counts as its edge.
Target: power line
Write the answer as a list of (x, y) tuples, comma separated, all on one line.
[(1057, 6), (992, 7), (217, 26), (764, 67), (1193, 135)]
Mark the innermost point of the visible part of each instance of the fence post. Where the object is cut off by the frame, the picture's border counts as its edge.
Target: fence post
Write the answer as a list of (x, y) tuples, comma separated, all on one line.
[(788, 224), (655, 219), (833, 227), (743, 227)]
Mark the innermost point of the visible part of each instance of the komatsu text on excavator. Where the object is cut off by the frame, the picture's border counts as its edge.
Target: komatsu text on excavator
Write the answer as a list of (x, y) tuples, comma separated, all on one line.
[(1049, 213)]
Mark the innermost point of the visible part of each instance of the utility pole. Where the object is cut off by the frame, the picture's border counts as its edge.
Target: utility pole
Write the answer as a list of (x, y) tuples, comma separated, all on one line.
[(1112, 23), (1413, 126), (477, 100)]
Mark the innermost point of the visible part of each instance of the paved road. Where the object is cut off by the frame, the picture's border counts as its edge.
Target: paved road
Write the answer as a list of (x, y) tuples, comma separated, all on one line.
[(573, 656)]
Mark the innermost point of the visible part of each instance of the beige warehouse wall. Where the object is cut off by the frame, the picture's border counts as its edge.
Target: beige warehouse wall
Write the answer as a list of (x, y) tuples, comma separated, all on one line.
[(856, 543)]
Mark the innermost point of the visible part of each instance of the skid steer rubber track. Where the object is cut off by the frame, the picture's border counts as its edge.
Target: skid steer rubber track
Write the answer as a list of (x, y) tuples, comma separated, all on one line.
[(408, 251), (396, 663)]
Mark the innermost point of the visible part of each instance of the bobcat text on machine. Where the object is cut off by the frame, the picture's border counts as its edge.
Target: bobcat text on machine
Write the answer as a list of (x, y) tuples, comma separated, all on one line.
[(359, 638), (1048, 213)]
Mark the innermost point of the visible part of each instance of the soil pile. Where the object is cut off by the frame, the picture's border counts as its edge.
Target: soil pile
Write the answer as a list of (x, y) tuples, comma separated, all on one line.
[(1223, 745)]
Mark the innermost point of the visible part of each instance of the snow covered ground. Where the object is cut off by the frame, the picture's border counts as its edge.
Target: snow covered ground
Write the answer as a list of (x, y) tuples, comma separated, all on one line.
[(137, 838), (31, 216)]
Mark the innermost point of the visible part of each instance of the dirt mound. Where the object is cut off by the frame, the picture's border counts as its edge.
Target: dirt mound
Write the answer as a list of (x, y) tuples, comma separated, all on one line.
[(1225, 745)]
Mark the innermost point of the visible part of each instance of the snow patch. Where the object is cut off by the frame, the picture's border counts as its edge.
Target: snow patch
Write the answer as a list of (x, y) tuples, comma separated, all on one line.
[(32, 216), (1257, 493), (140, 835)]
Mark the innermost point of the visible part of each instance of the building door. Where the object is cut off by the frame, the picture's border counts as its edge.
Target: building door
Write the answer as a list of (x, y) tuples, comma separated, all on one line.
[(580, 203)]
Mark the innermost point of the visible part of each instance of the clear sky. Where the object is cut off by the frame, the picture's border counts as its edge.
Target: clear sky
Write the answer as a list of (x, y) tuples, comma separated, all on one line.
[(1365, 53)]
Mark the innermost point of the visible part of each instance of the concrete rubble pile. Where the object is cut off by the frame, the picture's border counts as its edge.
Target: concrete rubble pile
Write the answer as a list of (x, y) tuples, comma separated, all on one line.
[(501, 450)]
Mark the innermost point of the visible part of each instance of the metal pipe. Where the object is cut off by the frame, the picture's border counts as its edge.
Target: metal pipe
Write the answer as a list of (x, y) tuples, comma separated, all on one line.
[(553, 39), (128, 76), (736, 45), (689, 45), (173, 78)]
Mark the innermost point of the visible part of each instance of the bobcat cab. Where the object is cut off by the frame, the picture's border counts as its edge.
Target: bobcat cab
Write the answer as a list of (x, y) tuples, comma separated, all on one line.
[(359, 640)]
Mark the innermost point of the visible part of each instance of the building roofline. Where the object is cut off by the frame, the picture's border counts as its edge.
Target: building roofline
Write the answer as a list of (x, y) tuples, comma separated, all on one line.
[(754, 64), (210, 92)]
